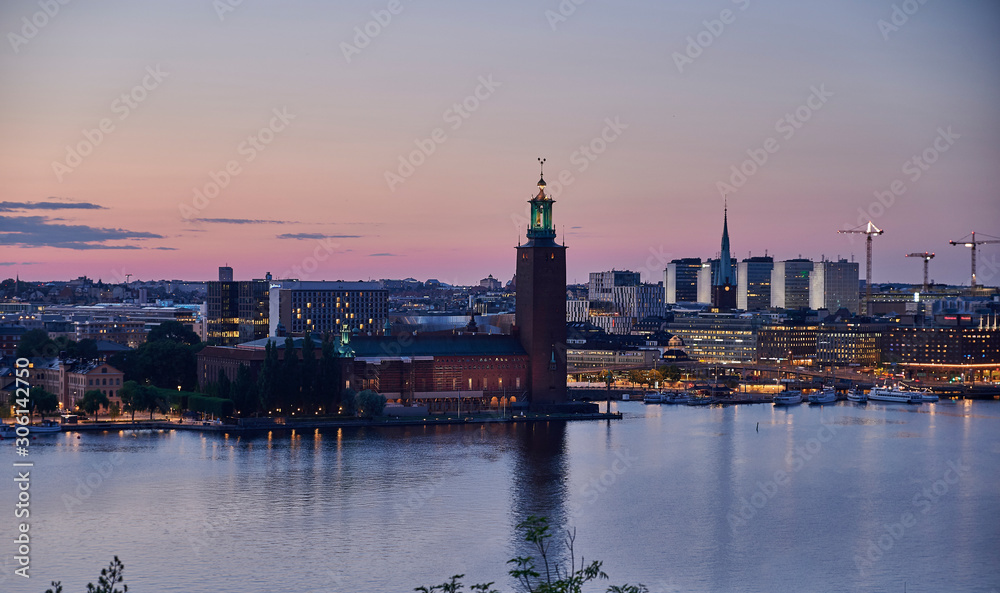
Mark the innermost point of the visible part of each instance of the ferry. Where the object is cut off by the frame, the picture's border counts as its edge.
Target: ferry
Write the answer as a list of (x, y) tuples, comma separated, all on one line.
[(788, 398), (827, 396), (700, 401), (678, 398), (857, 395), (927, 396), (653, 398), (890, 394)]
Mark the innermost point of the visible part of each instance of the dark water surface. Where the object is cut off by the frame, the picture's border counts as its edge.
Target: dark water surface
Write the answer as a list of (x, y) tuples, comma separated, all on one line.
[(832, 498)]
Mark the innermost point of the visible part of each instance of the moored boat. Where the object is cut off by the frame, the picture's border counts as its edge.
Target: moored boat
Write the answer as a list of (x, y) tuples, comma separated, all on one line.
[(9, 431), (827, 395), (678, 398), (653, 398), (890, 394), (700, 401), (857, 395), (788, 398)]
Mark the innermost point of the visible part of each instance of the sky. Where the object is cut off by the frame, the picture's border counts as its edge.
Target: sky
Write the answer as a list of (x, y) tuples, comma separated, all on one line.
[(396, 138)]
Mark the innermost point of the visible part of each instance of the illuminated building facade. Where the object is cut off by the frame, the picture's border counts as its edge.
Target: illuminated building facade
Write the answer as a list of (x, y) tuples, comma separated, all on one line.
[(321, 307), (236, 311), (753, 283)]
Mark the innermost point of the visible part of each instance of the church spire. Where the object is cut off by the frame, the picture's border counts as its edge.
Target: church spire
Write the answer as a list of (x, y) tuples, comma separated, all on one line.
[(725, 271)]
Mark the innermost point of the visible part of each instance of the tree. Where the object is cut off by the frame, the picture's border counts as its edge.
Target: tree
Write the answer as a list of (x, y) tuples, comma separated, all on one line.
[(348, 402), (150, 401), (44, 402), (110, 576), (308, 373), (635, 377), (267, 379), (328, 378), (244, 391), (115, 410), (370, 404), (291, 380), (36, 343), (92, 402), (555, 579), (132, 397), (174, 331)]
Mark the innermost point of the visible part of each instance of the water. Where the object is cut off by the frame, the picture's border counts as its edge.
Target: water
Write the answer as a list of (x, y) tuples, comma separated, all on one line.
[(679, 498)]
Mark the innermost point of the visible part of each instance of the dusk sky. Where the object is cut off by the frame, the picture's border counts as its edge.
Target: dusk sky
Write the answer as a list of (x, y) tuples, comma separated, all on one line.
[(321, 126)]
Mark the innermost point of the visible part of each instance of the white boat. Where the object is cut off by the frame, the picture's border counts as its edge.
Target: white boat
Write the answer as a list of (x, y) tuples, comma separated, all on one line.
[(653, 398), (890, 394), (857, 395), (788, 398), (827, 395), (927, 396)]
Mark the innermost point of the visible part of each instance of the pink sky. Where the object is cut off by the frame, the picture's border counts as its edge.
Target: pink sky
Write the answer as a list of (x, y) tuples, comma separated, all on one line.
[(545, 87)]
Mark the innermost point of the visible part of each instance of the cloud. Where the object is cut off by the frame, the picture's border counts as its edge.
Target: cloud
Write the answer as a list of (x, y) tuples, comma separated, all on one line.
[(383, 255), (40, 231), (165, 248), (17, 206), (316, 236), (14, 263), (244, 221)]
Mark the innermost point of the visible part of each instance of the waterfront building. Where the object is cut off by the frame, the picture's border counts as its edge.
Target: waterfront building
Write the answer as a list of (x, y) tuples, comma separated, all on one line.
[(850, 345), (540, 310), (237, 311), (753, 283), (790, 284), (680, 280), (717, 337), (611, 358), (71, 379), (321, 307), (784, 343), (947, 351), (834, 285)]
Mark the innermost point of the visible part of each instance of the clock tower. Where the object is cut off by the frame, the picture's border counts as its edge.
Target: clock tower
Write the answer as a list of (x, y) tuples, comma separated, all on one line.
[(540, 314)]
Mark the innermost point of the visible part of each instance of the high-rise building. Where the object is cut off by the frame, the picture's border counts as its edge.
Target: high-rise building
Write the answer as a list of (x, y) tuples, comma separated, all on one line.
[(602, 284), (639, 302), (790, 284), (540, 316), (753, 292), (834, 285), (680, 280), (320, 307), (705, 280), (236, 311), (724, 276)]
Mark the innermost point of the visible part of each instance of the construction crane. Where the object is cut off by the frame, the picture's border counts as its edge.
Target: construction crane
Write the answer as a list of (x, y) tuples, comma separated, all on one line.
[(869, 230), (927, 257), (971, 241)]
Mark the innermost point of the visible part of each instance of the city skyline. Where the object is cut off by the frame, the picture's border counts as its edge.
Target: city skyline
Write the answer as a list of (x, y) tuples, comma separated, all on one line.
[(328, 142)]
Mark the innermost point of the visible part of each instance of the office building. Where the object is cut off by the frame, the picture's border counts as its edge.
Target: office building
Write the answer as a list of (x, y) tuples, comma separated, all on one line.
[(602, 284), (753, 286), (236, 311), (834, 285), (790, 284), (321, 306), (680, 280)]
